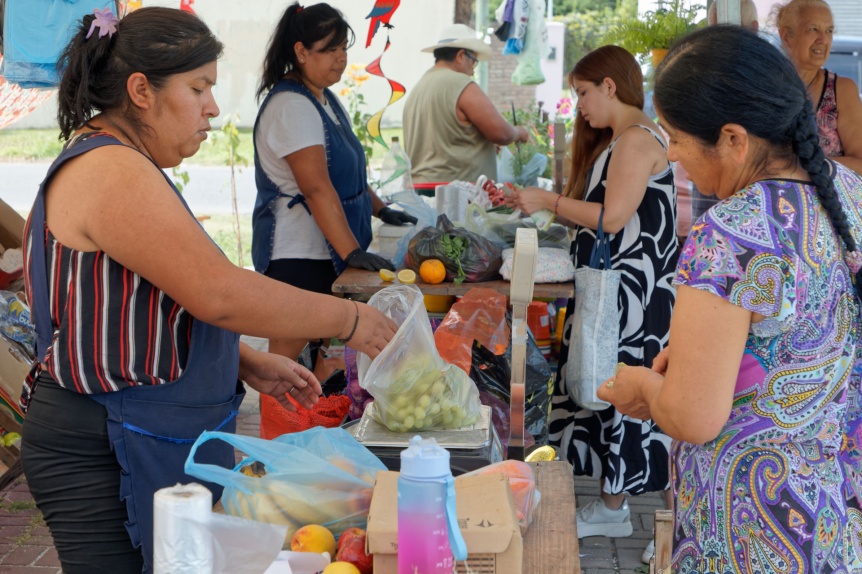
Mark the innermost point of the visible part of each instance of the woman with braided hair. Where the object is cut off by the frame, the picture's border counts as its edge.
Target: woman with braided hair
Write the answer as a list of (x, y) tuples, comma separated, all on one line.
[(760, 384)]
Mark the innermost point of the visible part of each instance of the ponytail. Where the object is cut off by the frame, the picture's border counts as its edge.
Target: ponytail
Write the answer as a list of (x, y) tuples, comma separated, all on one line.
[(307, 25), (806, 145), (157, 42)]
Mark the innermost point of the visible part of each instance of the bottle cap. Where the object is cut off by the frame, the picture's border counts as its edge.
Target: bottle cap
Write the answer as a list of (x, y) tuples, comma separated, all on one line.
[(424, 458)]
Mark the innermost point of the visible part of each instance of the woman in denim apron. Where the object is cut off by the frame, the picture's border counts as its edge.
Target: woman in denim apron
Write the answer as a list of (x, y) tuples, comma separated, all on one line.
[(136, 309), (312, 216)]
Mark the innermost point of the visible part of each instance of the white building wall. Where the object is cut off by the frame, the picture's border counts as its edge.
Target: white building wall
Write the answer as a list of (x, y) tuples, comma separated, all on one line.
[(245, 27)]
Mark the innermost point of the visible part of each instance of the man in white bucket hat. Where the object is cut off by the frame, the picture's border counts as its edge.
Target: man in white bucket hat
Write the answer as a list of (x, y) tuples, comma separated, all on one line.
[(451, 128)]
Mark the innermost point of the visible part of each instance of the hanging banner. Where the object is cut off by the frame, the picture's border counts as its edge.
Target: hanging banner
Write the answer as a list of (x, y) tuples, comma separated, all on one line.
[(380, 14), (17, 102), (397, 92)]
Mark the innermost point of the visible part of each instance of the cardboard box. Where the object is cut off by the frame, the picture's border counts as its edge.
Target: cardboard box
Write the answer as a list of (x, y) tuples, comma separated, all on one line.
[(14, 364), (486, 513), (11, 234)]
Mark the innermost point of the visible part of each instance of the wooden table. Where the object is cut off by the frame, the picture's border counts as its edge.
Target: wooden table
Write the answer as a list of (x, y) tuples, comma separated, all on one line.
[(551, 542), (354, 281)]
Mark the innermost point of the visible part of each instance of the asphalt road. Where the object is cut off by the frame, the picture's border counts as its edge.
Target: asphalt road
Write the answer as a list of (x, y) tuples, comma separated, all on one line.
[(207, 193)]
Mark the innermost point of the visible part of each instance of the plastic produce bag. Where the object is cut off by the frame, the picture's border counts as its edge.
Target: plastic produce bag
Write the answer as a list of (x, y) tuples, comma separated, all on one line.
[(476, 330), (467, 256), (426, 216), (413, 388), (479, 315), (318, 476), (529, 70), (529, 173), (522, 482), (552, 265), (15, 323), (501, 228)]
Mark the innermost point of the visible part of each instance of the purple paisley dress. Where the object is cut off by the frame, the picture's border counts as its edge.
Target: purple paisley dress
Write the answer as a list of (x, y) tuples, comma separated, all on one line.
[(779, 490)]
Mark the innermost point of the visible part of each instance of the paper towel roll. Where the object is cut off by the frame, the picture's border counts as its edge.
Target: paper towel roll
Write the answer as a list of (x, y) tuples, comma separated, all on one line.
[(182, 542)]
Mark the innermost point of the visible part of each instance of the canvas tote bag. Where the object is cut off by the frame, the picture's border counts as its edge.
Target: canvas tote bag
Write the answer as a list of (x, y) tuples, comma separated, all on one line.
[(594, 339)]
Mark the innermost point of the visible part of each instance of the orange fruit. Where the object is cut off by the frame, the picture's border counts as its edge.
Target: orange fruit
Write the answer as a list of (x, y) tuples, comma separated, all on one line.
[(432, 271), (341, 568), (313, 538)]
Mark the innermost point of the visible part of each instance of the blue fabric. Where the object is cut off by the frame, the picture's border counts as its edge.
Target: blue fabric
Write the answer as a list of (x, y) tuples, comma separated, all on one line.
[(152, 427), (345, 160), (35, 33)]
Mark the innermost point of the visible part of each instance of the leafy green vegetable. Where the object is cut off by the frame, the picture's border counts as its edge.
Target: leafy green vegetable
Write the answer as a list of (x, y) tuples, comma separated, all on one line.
[(453, 248)]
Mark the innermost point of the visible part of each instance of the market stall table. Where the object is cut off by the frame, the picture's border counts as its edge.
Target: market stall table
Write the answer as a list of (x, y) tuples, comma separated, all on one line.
[(551, 542), (356, 281)]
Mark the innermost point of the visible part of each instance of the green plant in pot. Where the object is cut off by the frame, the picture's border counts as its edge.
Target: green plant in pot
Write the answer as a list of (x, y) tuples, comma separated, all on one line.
[(654, 32)]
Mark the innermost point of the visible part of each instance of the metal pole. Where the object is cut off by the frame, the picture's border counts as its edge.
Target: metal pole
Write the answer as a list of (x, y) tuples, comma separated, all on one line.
[(482, 28)]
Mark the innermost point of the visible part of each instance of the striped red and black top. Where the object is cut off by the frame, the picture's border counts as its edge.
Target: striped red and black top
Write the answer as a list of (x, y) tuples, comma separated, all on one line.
[(112, 328)]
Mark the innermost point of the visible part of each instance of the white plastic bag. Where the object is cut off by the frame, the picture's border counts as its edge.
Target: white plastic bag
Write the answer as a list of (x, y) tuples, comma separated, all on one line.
[(552, 265), (413, 388)]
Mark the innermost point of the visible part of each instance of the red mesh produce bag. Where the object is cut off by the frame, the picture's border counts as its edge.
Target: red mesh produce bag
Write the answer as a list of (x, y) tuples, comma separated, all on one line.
[(275, 420)]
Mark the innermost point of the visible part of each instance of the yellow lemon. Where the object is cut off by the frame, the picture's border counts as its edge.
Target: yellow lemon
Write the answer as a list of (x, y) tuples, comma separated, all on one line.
[(387, 275), (407, 276)]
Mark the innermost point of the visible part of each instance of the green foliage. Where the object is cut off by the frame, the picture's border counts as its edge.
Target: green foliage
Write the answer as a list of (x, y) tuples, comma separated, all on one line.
[(453, 247), (587, 26), (29, 145), (181, 177), (231, 134), (355, 107), (656, 29), (541, 141)]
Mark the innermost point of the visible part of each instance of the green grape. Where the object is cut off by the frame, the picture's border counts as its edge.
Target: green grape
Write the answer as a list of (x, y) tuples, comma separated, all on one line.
[(404, 413), (408, 422), (434, 409), (424, 401), (447, 419), (400, 401), (437, 388), (421, 423)]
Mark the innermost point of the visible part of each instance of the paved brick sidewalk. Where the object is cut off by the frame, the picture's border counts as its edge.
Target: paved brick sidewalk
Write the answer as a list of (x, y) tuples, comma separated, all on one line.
[(26, 546)]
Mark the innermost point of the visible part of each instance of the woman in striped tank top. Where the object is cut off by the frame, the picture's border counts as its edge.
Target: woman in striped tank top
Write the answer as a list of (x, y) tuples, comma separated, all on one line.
[(136, 309)]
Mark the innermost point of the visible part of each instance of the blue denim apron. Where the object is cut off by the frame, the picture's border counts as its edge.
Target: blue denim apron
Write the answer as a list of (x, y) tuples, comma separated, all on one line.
[(152, 427), (345, 160)]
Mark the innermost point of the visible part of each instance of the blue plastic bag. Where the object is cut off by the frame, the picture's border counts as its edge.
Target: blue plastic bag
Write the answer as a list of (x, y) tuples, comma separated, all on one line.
[(318, 476)]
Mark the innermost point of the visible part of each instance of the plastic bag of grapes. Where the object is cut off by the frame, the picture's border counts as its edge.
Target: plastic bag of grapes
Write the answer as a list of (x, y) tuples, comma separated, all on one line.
[(413, 388)]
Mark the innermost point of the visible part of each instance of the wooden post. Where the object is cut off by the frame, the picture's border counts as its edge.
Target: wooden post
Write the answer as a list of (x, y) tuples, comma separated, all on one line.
[(663, 541)]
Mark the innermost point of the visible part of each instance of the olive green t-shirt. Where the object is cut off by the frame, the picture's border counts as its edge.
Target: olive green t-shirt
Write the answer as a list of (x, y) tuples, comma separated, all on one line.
[(442, 148)]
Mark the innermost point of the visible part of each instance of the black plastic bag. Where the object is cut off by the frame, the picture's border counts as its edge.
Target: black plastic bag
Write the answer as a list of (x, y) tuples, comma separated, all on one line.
[(493, 374), (467, 256)]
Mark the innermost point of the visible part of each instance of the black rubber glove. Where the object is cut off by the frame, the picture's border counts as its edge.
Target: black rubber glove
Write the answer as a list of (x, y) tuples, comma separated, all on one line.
[(360, 259), (395, 217)]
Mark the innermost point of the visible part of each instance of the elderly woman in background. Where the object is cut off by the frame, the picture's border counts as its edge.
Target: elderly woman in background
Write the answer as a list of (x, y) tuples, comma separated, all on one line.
[(759, 386), (806, 28)]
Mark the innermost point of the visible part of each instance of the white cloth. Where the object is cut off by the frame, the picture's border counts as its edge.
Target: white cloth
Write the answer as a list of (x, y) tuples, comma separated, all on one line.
[(290, 123)]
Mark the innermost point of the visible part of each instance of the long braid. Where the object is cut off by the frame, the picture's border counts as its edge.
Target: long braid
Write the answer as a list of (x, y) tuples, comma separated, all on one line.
[(806, 145)]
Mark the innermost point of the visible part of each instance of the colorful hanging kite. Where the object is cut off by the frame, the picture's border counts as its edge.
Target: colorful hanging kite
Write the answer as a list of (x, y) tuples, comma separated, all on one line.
[(380, 14), (398, 91)]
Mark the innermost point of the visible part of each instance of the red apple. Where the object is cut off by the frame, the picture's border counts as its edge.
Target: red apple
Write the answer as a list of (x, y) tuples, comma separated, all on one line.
[(349, 534), (353, 551)]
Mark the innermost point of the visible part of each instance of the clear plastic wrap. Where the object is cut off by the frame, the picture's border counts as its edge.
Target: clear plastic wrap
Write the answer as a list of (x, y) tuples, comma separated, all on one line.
[(522, 481)]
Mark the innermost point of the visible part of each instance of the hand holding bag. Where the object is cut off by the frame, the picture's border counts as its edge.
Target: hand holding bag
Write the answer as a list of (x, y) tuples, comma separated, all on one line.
[(594, 339)]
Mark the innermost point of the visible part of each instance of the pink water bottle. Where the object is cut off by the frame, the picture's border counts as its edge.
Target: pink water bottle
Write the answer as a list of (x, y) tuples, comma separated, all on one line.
[(429, 539)]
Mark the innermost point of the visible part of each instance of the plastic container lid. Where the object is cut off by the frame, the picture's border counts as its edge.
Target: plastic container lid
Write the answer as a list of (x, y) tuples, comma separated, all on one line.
[(424, 458)]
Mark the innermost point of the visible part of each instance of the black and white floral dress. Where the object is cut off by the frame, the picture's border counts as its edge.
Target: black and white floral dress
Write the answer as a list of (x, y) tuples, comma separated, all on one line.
[(632, 455)]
